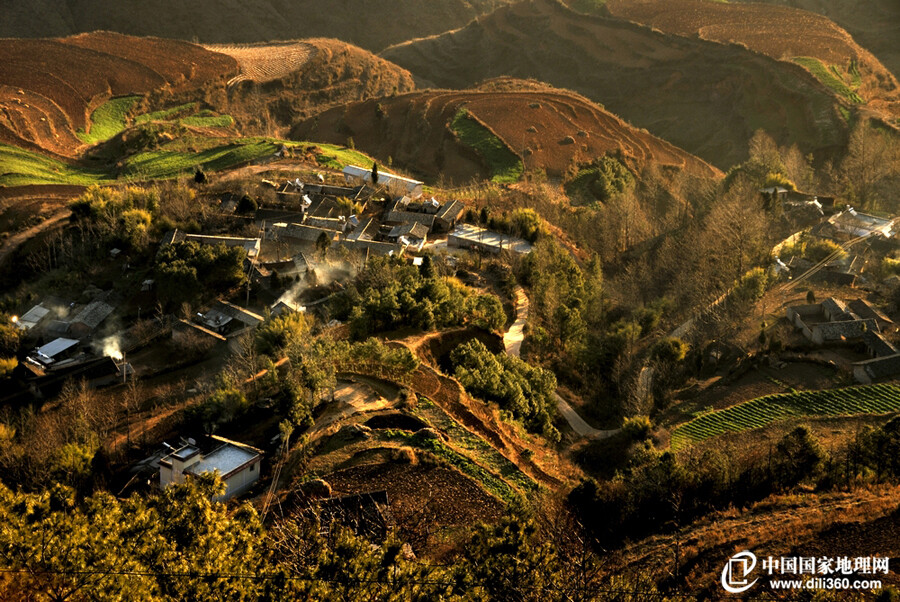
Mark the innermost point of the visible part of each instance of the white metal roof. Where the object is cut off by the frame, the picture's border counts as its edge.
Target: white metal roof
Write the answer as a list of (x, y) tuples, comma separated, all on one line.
[(55, 347), (225, 459)]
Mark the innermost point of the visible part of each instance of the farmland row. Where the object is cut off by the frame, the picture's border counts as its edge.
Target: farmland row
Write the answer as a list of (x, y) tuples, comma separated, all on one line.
[(760, 412)]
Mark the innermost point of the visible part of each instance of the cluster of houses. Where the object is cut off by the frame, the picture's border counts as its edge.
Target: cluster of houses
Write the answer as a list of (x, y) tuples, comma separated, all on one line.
[(319, 217), (873, 236), (858, 323)]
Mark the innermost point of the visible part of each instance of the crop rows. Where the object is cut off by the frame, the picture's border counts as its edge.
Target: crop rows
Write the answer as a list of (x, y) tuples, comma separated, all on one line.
[(759, 412), (266, 62)]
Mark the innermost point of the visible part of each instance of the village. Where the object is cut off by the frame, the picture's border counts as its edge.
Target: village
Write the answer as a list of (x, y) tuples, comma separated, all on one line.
[(311, 240)]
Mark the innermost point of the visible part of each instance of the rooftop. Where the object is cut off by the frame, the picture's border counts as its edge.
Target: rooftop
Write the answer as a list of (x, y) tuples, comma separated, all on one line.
[(93, 314), (488, 238), (413, 230), (226, 459), (55, 347)]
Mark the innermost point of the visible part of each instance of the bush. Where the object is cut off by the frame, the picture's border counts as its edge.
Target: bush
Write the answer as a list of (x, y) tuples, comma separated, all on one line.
[(637, 428), (277, 333), (600, 181), (669, 350), (526, 391), (247, 204)]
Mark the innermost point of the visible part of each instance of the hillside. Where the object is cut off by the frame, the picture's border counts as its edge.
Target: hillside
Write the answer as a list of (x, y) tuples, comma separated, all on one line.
[(873, 23), (550, 129), (91, 87), (782, 33), (231, 21), (50, 87), (297, 80), (705, 97)]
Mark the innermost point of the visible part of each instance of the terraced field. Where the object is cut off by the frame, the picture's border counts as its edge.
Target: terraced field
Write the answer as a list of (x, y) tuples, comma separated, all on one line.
[(51, 86), (780, 32), (703, 96), (759, 412), (545, 127), (265, 62)]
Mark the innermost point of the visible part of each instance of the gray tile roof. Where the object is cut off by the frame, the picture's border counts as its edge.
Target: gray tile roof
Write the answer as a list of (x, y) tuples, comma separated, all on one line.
[(845, 330)]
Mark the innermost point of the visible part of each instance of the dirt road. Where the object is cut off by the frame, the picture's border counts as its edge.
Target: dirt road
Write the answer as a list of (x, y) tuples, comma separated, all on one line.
[(16, 240), (512, 341)]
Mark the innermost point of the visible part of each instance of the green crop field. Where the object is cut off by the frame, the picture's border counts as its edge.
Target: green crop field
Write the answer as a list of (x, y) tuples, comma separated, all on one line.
[(19, 167), (760, 412), (337, 157), (505, 166), (208, 120), (108, 119), (165, 114), (827, 77)]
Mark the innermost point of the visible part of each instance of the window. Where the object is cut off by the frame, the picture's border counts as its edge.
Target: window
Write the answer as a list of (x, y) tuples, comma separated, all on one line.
[(252, 467)]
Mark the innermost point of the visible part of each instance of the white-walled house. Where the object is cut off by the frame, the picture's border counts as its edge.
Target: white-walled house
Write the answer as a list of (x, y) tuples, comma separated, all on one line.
[(238, 464), (353, 174)]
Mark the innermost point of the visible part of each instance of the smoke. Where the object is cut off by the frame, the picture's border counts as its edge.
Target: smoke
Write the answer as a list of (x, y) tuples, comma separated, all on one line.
[(111, 348), (325, 275)]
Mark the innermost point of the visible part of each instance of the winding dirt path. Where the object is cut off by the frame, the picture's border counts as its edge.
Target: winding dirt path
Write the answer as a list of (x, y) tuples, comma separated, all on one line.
[(512, 341), (16, 240)]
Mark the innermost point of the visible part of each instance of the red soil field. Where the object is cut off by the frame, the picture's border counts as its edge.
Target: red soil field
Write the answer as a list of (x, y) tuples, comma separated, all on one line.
[(176, 61), (48, 87), (548, 128), (777, 31)]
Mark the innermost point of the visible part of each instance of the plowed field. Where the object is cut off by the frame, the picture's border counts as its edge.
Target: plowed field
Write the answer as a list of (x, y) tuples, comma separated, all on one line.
[(547, 128), (705, 97), (777, 31), (48, 87), (266, 62)]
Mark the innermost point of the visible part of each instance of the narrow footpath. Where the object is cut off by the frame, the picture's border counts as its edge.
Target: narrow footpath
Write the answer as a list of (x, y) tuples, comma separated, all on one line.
[(512, 342)]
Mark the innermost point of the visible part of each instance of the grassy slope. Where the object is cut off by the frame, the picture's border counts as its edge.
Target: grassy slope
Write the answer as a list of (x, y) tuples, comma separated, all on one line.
[(759, 412), (505, 166), (108, 119), (828, 77), (19, 167)]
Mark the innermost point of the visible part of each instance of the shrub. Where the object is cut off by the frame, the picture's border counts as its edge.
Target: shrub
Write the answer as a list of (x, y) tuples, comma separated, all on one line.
[(247, 204), (637, 428), (526, 391)]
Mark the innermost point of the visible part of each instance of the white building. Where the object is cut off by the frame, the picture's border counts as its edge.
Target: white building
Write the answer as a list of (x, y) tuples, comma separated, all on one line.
[(238, 465), (354, 174), (861, 224)]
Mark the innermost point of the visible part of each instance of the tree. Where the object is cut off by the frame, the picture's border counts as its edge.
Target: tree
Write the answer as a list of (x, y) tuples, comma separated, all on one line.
[(199, 176), (871, 163), (374, 173), (323, 243), (797, 456)]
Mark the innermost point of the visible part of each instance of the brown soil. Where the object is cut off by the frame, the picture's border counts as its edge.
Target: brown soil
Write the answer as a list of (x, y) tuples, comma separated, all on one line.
[(450, 497), (403, 422), (413, 129), (226, 21), (48, 87), (706, 97), (873, 23), (779, 32), (780, 526)]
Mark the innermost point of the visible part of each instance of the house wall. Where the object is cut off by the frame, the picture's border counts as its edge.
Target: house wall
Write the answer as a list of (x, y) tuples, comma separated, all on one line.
[(795, 315), (860, 375), (241, 481)]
